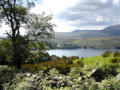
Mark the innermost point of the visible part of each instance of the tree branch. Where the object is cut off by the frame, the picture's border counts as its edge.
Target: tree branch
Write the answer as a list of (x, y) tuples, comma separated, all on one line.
[(3, 6), (8, 34)]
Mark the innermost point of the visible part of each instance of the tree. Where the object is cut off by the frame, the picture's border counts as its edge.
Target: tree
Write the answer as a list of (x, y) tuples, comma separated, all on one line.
[(6, 52), (16, 14)]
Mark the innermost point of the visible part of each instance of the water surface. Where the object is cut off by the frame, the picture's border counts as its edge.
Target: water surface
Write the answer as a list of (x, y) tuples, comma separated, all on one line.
[(78, 52)]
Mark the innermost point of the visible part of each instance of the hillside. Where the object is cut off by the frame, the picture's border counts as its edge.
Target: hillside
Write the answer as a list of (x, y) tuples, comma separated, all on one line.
[(108, 37), (108, 31)]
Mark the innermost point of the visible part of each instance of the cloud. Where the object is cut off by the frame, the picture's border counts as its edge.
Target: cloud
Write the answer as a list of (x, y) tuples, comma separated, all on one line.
[(95, 13), (91, 5), (53, 7), (80, 14), (116, 2)]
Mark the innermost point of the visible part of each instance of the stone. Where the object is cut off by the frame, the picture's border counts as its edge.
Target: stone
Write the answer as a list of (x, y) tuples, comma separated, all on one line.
[(97, 74), (60, 81)]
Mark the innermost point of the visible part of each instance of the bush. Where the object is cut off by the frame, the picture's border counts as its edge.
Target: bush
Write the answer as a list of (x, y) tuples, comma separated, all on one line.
[(82, 58), (116, 60), (110, 84), (78, 62), (109, 70), (116, 54), (53, 72), (75, 80), (75, 72), (106, 54), (64, 57), (74, 57), (54, 57), (6, 74), (5, 52)]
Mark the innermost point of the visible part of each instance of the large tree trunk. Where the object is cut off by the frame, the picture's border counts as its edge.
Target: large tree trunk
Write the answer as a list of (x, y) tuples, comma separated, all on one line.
[(16, 55)]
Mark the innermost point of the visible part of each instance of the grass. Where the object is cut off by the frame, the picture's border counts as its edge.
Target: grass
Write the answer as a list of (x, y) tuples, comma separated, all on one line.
[(97, 59), (91, 63)]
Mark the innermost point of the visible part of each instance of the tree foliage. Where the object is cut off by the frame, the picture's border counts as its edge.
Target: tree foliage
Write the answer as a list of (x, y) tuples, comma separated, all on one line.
[(16, 14)]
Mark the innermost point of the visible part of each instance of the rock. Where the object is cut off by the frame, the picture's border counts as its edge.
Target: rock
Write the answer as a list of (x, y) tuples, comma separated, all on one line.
[(60, 81), (28, 74), (97, 74), (53, 83), (58, 77)]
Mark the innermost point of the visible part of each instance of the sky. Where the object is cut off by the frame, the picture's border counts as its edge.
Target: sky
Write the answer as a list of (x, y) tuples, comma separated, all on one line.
[(69, 15)]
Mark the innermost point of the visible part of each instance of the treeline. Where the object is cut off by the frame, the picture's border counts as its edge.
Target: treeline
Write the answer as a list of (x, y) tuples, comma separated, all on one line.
[(95, 43)]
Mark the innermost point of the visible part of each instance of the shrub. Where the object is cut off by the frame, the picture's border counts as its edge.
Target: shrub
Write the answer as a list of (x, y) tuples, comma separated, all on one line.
[(106, 54), (63, 65), (82, 58), (75, 72), (53, 72), (64, 57), (78, 62), (116, 60), (6, 74), (109, 84), (74, 57), (109, 70), (116, 54), (54, 57)]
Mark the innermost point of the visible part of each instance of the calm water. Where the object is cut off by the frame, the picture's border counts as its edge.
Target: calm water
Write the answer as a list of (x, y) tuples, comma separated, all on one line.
[(78, 52)]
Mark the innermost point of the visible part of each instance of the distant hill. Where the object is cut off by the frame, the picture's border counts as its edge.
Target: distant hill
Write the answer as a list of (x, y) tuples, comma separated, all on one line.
[(2, 37), (112, 30), (107, 32), (90, 38)]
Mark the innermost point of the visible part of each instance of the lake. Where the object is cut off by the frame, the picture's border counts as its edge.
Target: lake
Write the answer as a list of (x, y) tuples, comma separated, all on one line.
[(78, 52)]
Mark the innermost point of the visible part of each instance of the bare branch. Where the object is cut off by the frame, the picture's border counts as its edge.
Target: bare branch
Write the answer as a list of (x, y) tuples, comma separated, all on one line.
[(8, 34)]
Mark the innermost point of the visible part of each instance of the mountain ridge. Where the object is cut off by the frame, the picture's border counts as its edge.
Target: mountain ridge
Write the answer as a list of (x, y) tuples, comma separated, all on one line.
[(115, 27), (108, 31)]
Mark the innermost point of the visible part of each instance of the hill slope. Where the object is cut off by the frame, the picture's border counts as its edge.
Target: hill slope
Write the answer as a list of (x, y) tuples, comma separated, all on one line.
[(105, 38), (108, 31)]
